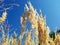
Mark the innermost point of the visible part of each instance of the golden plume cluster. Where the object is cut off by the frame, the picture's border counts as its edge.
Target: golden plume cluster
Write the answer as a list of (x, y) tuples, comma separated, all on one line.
[(3, 16), (38, 33)]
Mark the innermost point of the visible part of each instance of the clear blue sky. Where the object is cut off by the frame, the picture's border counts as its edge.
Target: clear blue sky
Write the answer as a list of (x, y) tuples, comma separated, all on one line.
[(50, 8)]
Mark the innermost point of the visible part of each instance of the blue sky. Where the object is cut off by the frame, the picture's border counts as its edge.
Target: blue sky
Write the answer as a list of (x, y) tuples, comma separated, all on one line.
[(50, 8)]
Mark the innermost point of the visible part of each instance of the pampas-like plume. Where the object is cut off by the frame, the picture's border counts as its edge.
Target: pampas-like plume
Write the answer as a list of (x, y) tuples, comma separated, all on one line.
[(3, 16)]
